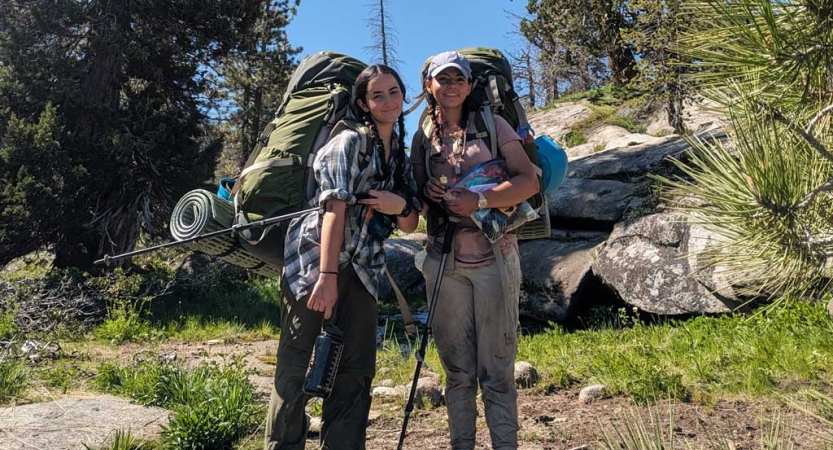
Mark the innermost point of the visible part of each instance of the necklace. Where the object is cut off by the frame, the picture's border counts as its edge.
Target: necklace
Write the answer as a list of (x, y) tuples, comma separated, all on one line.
[(458, 146)]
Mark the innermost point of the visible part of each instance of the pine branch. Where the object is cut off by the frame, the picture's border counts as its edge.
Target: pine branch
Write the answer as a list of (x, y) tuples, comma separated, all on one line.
[(811, 140), (823, 188), (818, 117)]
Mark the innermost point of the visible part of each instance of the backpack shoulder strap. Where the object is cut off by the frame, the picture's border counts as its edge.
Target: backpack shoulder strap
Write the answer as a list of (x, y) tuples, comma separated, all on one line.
[(484, 121), (493, 92), (407, 318)]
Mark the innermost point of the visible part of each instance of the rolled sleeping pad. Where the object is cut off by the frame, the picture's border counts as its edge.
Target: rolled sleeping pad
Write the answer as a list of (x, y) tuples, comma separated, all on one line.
[(201, 212), (553, 162)]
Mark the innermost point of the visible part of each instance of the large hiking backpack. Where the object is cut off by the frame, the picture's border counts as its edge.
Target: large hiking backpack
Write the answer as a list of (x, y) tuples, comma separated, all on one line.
[(493, 90), (277, 178)]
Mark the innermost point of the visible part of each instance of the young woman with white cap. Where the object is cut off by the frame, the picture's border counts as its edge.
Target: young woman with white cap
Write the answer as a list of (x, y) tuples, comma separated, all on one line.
[(476, 316)]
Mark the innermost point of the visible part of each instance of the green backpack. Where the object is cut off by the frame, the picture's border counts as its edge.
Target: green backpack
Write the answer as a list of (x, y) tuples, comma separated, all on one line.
[(493, 90), (277, 178)]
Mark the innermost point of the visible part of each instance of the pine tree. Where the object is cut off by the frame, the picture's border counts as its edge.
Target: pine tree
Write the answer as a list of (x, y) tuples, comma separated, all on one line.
[(128, 84), (591, 29), (251, 80), (767, 191)]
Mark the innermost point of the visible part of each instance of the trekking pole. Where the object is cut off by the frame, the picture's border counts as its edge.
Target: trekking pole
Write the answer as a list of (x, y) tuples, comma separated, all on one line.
[(234, 230), (420, 354)]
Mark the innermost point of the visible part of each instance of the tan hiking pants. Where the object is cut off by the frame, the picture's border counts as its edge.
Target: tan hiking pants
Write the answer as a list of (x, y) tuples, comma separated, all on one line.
[(475, 328)]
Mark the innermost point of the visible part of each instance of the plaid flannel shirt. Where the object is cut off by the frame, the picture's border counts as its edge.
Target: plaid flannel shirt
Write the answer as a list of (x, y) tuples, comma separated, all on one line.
[(339, 168)]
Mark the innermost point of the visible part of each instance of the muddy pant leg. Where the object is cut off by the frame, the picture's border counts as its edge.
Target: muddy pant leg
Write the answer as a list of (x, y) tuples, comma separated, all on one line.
[(496, 316), (286, 423), (454, 334), (345, 412)]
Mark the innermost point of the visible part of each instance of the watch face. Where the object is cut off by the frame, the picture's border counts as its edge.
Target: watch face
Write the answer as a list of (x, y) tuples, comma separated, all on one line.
[(481, 201)]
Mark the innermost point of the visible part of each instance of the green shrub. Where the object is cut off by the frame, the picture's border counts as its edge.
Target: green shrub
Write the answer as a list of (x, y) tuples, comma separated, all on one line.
[(7, 326), (574, 138), (13, 380), (127, 299), (213, 405)]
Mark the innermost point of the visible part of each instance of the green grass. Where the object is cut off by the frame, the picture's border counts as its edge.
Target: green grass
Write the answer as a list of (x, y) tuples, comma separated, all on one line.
[(213, 405), (399, 368), (123, 440), (698, 359), (7, 325), (13, 380)]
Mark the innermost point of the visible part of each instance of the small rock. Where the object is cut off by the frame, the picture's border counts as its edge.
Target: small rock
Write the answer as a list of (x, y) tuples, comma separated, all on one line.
[(428, 390), (214, 342), (525, 375), (314, 425), (386, 383), (591, 393), (830, 309), (386, 391)]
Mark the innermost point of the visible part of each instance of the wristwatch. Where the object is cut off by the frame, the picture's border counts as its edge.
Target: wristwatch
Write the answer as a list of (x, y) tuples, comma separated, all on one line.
[(406, 210), (481, 201)]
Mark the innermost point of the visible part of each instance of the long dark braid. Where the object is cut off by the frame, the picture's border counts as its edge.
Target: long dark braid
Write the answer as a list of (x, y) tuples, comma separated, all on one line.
[(436, 119)]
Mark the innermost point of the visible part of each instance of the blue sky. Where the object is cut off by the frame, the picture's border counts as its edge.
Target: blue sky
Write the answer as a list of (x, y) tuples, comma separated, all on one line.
[(424, 28)]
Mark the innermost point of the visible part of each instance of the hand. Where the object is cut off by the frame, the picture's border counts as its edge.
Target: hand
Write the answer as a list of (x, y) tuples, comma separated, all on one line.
[(324, 295), (385, 202), (461, 202), (434, 190)]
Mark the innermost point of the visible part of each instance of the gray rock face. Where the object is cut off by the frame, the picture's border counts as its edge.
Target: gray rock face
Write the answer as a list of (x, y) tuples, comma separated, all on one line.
[(399, 254), (556, 122), (554, 274), (633, 161), (647, 263), (593, 200), (71, 423)]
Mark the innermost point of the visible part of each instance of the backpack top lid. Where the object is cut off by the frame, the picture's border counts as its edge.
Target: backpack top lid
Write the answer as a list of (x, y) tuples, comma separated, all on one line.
[(321, 69)]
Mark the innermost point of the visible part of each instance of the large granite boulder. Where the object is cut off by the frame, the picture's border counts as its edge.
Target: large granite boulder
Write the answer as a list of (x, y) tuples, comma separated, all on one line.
[(652, 263), (399, 254), (75, 422), (556, 275), (556, 122), (634, 161), (580, 201)]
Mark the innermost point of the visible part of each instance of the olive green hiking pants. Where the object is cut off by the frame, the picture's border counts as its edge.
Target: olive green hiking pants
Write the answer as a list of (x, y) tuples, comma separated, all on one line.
[(345, 412), (475, 330)]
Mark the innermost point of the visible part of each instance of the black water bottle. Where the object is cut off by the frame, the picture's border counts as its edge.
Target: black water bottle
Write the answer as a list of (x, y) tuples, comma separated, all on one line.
[(323, 365)]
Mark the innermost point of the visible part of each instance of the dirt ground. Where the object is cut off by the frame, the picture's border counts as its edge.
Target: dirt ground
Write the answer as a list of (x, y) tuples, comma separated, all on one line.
[(553, 419)]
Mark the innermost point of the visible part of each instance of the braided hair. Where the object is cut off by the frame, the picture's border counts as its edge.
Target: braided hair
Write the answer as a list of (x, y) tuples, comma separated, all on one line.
[(398, 151)]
